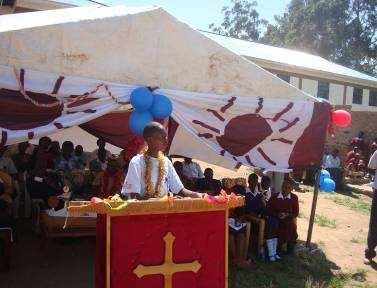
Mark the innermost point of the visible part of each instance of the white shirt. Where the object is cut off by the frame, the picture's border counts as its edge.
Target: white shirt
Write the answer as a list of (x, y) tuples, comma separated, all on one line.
[(134, 182), (332, 162), (373, 165), (7, 165), (268, 194), (192, 170), (255, 192), (280, 196)]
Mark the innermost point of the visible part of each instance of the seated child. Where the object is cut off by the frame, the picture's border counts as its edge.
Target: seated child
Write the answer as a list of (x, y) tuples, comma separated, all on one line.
[(256, 209), (282, 209), (208, 184), (92, 186), (255, 204), (112, 179), (237, 238), (265, 185)]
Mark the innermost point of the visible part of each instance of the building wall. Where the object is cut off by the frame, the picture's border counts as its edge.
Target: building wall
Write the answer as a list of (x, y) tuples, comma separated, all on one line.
[(336, 94), (310, 86), (361, 121), (364, 117)]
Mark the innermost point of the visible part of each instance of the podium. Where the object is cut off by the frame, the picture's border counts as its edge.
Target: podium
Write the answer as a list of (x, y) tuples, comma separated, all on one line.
[(161, 243)]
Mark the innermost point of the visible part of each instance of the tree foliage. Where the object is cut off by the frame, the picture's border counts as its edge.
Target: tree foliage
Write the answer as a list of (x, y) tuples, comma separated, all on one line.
[(240, 21), (343, 31)]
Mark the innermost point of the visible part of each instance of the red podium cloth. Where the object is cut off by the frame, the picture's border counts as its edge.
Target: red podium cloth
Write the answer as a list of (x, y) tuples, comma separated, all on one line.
[(138, 239)]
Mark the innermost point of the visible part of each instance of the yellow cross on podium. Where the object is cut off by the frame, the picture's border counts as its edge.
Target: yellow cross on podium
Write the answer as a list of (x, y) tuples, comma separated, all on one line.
[(168, 268)]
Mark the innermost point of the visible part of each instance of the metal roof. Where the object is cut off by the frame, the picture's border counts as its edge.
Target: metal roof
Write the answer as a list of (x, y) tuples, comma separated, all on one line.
[(300, 61)]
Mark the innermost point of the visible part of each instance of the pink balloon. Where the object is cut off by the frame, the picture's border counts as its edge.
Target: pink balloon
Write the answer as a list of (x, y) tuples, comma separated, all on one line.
[(341, 118)]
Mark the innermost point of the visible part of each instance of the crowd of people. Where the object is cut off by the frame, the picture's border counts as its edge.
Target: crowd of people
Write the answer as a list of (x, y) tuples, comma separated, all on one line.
[(354, 163), (52, 174), (48, 170)]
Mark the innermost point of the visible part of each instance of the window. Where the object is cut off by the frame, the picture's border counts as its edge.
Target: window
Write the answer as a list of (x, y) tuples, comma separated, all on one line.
[(357, 96), (323, 90), (372, 97), (284, 77), (8, 3)]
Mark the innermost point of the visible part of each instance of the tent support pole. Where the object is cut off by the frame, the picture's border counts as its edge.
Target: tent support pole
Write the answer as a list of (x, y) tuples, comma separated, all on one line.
[(314, 206)]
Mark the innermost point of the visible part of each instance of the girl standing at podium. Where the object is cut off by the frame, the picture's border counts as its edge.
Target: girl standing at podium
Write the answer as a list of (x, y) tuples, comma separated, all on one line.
[(151, 174)]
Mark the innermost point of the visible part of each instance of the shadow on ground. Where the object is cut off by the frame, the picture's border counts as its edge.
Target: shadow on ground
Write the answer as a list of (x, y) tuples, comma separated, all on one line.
[(306, 269), (61, 263), (69, 263)]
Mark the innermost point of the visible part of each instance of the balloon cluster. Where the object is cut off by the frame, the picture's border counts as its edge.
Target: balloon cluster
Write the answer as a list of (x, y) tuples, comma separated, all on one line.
[(147, 106), (326, 184)]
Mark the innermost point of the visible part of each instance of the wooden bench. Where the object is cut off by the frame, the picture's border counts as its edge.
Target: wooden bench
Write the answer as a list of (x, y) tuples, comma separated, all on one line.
[(53, 227)]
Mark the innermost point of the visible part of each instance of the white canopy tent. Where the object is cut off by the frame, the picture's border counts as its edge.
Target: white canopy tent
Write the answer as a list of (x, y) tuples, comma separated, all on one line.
[(138, 46)]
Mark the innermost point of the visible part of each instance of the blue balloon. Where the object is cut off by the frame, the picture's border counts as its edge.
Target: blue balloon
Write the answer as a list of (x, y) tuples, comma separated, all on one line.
[(324, 174), (138, 120), (141, 99), (161, 107), (328, 185)]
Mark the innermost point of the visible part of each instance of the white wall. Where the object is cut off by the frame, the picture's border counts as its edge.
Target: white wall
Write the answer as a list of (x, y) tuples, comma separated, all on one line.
[(349, 95), (336, 94), (310, 86)]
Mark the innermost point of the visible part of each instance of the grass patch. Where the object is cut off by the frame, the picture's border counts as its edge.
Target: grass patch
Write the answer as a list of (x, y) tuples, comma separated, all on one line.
[(302, 270), (357, 204), (324, 221)]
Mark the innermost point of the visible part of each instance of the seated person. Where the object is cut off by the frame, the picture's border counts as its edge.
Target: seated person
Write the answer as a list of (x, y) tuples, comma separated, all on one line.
[(351, 154), (6, 185), (266, 189), (178, 166), (7, 164), (255, 208), (44, 184), (254, 200), (208, 184), (112, 179), (123, 161), (355, 164), (192, 171), (282, 210), (101, 144), (81, 157), (237, 238), (333, 165), (39, 151), (21, 159), (92, 185), (66, 162), (358, 141), (101, 159), (151, 174)]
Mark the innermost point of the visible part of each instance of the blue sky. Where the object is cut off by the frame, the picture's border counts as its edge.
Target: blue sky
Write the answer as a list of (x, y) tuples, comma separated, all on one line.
[(198, 13)]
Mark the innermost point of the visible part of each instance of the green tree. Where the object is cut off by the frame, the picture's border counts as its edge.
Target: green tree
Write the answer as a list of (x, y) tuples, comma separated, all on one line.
[(240, 21), (342, 31)]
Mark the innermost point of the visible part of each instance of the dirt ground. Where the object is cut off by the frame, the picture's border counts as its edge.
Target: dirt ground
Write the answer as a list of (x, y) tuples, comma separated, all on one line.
[(69, 262)]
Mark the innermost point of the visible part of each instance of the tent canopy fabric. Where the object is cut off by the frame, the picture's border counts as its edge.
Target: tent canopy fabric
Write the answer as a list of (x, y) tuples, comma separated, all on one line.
[(138, 46), (84, 62)]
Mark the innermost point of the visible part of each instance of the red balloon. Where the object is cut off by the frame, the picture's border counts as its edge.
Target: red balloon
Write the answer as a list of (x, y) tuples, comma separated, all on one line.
[(341, 118)]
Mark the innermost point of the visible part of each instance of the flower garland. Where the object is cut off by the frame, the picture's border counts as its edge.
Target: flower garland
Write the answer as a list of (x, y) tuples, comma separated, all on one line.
[(150, 191)]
